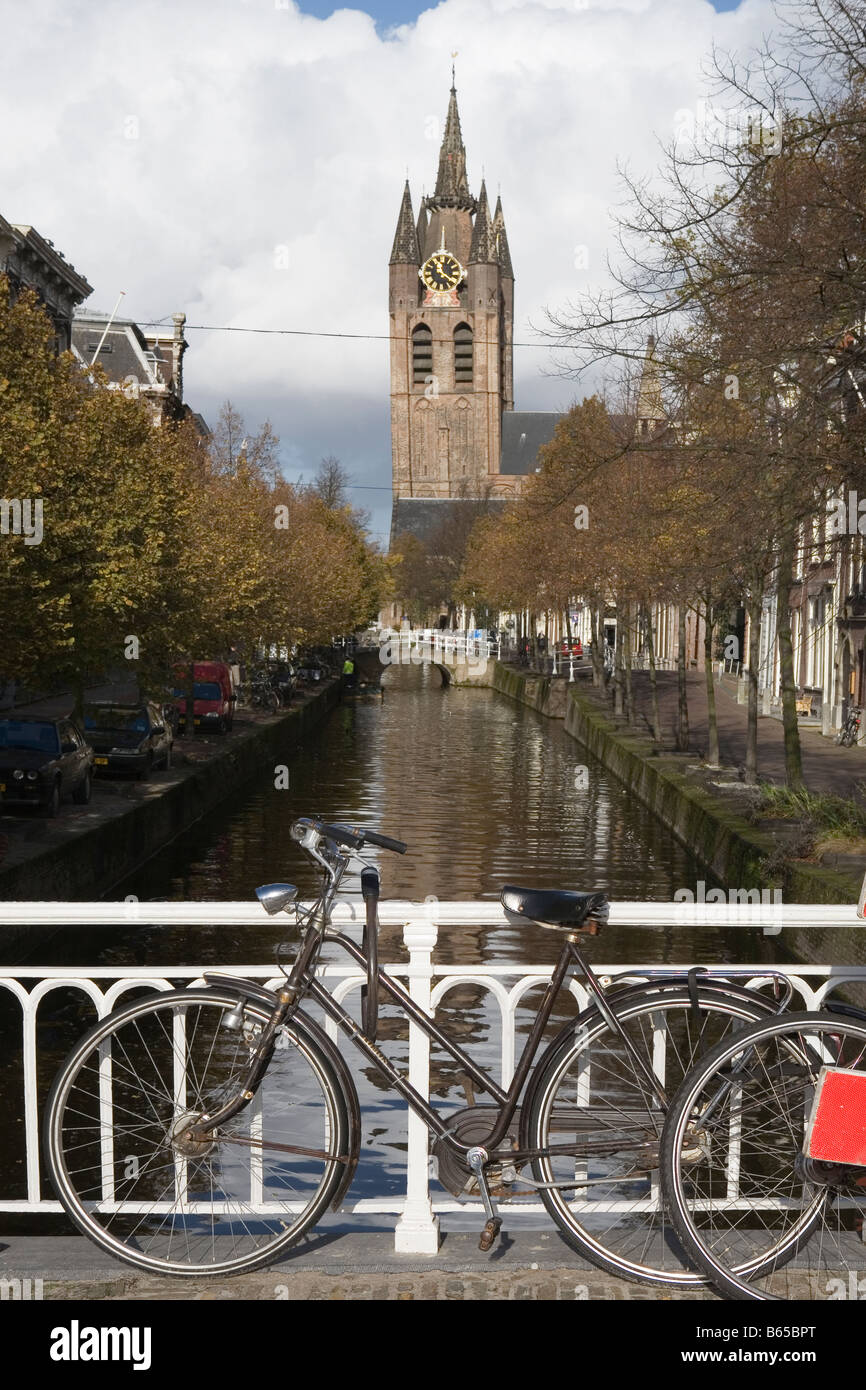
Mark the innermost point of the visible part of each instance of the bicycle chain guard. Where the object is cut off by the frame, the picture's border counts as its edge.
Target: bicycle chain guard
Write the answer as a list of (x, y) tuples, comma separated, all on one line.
[(470, 1126)]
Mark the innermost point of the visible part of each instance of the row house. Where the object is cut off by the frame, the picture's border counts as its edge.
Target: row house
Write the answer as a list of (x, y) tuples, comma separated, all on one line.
[(30, 261), (827, 600)]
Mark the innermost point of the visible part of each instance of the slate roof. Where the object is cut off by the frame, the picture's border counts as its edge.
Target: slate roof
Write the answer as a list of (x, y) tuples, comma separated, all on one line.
[(123, 352), (424, 516), (523, 433)]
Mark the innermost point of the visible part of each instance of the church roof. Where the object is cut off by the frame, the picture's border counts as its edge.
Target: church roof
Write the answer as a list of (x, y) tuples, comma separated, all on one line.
[(483, 246), (427, 518), (452, 185), (405, 249), (523, 433)]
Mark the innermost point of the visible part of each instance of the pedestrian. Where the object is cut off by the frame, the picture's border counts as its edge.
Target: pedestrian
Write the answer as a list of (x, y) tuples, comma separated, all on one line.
[(348, 673)]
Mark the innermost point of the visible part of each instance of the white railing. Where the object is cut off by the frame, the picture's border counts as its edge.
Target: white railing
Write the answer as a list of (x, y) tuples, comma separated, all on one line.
[(449, 647), (428, 982)]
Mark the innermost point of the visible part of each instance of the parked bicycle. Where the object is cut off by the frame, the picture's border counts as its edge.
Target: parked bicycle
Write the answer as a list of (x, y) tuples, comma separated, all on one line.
[(263, 693), (764, 1157), (203, 1131), (850, 731)]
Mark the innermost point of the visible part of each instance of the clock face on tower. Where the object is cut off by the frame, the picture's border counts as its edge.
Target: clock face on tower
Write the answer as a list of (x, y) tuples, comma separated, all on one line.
[(441, 271)]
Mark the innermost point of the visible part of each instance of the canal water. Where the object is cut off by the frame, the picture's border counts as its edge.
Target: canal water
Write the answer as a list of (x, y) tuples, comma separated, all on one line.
[(485, 792)]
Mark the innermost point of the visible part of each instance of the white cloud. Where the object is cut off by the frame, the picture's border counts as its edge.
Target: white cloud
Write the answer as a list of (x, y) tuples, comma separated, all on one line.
[(168, 150)]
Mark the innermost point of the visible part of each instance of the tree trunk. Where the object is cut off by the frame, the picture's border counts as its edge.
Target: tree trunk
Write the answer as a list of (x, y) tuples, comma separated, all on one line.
[(712, 722), (785, 574), (597, 653), (78, 691), (617, 664), (654, 689), (682, 696), (754, 607), (627, 644)]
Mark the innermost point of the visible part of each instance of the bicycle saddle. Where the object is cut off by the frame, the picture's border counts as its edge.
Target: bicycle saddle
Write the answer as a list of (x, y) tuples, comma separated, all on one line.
[(551, 907)]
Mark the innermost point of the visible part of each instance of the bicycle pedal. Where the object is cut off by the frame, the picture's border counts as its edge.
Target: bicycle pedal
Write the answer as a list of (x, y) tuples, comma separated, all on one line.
[(489, 1234)]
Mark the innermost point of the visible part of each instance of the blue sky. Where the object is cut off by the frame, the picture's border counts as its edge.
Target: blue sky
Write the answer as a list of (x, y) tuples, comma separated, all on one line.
[(389, 13)]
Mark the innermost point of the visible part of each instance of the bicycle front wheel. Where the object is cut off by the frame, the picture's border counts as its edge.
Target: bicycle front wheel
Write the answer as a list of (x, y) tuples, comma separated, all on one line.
[(130, 1178), (599, 1116), (743, 1197)]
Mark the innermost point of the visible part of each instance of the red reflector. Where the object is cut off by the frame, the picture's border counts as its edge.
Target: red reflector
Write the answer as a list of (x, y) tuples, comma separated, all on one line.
[(837, 1127)]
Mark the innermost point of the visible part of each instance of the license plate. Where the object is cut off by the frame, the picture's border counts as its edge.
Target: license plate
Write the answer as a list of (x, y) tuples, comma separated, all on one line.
[(101, 762), (2, 786), (836, 1132), (196, 721)]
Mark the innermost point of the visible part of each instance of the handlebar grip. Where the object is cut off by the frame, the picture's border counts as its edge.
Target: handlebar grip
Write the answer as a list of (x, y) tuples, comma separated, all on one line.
[(385, 842), (345, 835)]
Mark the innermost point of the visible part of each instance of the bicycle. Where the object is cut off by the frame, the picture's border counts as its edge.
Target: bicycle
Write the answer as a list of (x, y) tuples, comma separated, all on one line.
[(764, 1157), (205, 1130), (850, 730)]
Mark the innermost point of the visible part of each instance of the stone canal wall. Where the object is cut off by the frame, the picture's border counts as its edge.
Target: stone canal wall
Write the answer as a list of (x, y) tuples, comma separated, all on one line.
[(87, 860)]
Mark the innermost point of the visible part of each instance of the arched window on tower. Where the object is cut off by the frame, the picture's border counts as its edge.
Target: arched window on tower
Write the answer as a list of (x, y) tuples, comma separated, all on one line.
[(422, 354), (463, 355)]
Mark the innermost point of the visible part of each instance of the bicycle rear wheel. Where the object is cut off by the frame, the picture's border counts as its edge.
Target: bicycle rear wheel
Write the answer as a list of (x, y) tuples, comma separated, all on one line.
[(128, 1177), (742, 1196), (592, 1103)]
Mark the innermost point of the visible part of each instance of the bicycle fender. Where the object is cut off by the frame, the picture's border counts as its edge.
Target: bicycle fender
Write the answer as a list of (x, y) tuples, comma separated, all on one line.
[(317, 1034)]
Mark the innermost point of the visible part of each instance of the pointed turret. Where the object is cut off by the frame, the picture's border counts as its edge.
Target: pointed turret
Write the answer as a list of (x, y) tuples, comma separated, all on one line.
[(405, 248), (503, 254), (452, 185), (421, 228), (483, 246)]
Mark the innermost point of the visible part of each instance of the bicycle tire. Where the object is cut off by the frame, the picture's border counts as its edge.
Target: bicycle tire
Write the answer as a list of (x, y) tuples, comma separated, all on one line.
[(766, 1075), (593, 1224), (130, 1185)]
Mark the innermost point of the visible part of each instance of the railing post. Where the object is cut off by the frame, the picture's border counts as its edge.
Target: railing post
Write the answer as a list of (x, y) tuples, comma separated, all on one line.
[(417, 1231)]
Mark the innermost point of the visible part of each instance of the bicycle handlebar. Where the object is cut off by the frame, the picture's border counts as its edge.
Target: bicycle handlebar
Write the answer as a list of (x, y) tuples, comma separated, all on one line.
[(354, 837), (357, 837)]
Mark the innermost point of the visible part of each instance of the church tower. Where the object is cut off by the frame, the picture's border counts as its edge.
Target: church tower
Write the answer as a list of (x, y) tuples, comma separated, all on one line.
[(451, 315)]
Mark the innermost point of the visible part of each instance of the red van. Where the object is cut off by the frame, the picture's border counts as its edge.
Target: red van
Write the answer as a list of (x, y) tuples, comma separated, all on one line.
[(214, 702)]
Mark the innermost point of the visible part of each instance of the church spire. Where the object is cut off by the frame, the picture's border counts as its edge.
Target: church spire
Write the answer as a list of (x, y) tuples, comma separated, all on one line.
[(405, 249), (483, 246), (650, 406), (452, 186)]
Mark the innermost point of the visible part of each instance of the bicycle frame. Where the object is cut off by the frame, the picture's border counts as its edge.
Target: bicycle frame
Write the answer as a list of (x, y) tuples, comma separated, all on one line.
[(302, 983)]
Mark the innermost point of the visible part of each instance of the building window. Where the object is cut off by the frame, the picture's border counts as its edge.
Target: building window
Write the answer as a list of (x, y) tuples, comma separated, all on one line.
[(422, 354), (463, 355)]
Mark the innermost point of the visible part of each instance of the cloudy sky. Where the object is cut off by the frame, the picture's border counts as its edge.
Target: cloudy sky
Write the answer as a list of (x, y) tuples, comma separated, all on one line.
[(243, 160)]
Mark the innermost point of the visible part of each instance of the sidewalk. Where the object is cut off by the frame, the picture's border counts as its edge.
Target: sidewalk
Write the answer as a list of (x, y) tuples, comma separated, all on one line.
[(524, 1265), (826, 767)]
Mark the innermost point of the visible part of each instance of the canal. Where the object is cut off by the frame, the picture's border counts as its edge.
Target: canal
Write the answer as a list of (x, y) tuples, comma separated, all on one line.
[(485, 792)]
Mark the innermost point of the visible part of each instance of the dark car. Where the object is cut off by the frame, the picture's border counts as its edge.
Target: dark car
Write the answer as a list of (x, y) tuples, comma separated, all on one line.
[(41, 761), (128, 738)]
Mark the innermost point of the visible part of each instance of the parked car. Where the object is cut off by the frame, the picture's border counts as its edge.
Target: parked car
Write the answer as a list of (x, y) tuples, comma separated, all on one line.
[(41, 761), (128, 738), (213, 696), (576, 648)]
